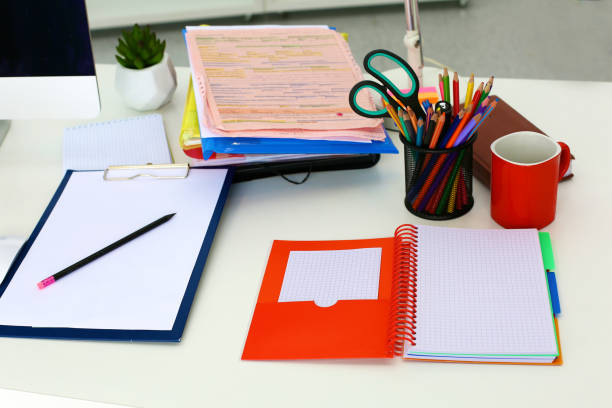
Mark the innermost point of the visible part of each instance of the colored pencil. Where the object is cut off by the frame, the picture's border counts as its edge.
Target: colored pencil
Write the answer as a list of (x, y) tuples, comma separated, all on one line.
[(430, 129), (487, 89), (452, 128), (441, 85), (419, 136), (432, 178), (487, 113), (426, 165), (410, 133), (446, 85), (428, 117), (412, 117), (462, 198), (485, 92), (402, 115), (460, 126), (402, 120), (463, 136), (476, 98), (444, 201), (398, 101), (483, 105), (455, 94), (437, 195), (468, 94), (437, 131), (453, 196), (409, 126), (393, 115)]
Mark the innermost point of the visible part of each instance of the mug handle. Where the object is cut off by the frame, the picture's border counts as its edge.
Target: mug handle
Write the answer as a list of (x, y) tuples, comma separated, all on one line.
[(566, 157)]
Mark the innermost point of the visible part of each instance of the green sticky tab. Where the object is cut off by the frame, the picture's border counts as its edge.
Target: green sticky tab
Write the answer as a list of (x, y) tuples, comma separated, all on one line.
[(547, 251)]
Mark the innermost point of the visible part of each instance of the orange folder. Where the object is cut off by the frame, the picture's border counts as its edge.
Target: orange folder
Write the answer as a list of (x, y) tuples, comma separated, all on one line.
[(303, 330)]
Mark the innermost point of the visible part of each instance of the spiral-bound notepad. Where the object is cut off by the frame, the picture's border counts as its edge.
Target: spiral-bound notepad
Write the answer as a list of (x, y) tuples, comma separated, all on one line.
[(431, 294), (136, 140)]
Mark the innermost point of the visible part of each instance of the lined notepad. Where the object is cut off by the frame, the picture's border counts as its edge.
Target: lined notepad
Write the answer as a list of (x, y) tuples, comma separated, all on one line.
[(131, 141)]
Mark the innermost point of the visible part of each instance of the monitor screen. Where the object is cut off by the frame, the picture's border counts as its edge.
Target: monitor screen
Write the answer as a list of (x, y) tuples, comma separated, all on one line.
[(46, 61), (44, 38)]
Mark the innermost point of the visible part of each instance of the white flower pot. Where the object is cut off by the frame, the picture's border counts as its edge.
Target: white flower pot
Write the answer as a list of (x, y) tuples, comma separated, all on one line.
[(148, 88)]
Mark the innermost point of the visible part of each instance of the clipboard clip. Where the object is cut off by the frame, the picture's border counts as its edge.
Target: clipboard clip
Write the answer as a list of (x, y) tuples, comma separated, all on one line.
[(156, 171)]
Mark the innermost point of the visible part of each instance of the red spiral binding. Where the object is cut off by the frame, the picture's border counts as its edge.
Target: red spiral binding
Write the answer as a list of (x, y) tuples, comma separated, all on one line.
[(404, 286)]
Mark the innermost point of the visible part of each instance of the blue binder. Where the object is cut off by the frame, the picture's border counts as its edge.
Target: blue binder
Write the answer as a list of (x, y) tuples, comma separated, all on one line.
[(247, 145), (173, 335)]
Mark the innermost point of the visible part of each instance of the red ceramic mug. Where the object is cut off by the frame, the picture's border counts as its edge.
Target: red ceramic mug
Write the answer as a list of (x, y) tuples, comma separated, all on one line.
[(525, 170)]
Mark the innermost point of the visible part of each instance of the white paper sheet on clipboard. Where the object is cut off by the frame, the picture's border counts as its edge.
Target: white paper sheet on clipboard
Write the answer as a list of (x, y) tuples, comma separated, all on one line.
[(138, 286)]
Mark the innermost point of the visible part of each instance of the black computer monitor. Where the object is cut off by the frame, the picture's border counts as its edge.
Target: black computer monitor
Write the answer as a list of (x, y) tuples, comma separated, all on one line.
[(46, 70), (46, 61)]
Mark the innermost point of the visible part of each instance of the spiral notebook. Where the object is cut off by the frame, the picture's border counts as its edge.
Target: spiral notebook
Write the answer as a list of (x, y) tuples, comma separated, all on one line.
[(427, 293)]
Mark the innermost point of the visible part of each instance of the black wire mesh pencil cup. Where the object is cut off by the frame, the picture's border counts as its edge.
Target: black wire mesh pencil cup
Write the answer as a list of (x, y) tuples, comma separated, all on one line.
[(438, 181)]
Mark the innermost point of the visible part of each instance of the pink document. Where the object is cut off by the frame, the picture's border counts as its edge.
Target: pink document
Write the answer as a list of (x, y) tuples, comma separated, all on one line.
[(277, 78), (365, 135)]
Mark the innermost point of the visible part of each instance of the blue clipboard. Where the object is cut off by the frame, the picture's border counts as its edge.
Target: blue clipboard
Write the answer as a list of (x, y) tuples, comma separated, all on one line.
[(173, 335)]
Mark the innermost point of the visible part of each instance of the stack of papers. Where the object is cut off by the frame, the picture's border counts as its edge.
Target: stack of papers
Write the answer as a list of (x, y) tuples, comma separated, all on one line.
[(278, 90)]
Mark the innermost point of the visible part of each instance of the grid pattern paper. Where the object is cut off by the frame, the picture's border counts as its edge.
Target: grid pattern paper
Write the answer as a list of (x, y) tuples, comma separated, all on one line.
[(132, 141), (328, 276), (481, 292)]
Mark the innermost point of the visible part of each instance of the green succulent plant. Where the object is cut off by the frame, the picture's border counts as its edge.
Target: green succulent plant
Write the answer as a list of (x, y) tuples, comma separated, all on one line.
[(139, 48)]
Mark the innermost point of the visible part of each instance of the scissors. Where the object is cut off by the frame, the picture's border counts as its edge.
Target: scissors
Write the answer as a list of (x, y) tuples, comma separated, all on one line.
[(397, 97)]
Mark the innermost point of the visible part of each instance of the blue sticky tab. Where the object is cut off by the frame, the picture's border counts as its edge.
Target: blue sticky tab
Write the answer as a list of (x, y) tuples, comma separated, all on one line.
[(554, 293)]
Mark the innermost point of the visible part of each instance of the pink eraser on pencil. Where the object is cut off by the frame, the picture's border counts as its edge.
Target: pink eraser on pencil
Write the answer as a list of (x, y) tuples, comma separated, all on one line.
[(46, 282)]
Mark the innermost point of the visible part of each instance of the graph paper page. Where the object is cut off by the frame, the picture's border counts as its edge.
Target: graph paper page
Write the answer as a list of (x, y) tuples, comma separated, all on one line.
[(481, 292), (131, 141), (328, 276)]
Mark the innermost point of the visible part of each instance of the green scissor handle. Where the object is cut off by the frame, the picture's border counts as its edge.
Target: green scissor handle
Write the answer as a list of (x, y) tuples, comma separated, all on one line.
[(409, 98), (360, 110)]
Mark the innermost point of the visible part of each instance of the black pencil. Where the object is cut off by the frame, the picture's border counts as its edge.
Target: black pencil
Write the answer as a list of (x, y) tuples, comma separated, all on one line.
[(430, 129), (51, 279)]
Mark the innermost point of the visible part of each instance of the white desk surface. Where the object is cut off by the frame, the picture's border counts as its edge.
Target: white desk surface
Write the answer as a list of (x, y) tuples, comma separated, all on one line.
[(205, 368)]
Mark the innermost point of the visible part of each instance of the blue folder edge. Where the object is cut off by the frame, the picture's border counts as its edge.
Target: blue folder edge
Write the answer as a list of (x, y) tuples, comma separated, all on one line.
[(248, 145), (173, 335), (549, 266)]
